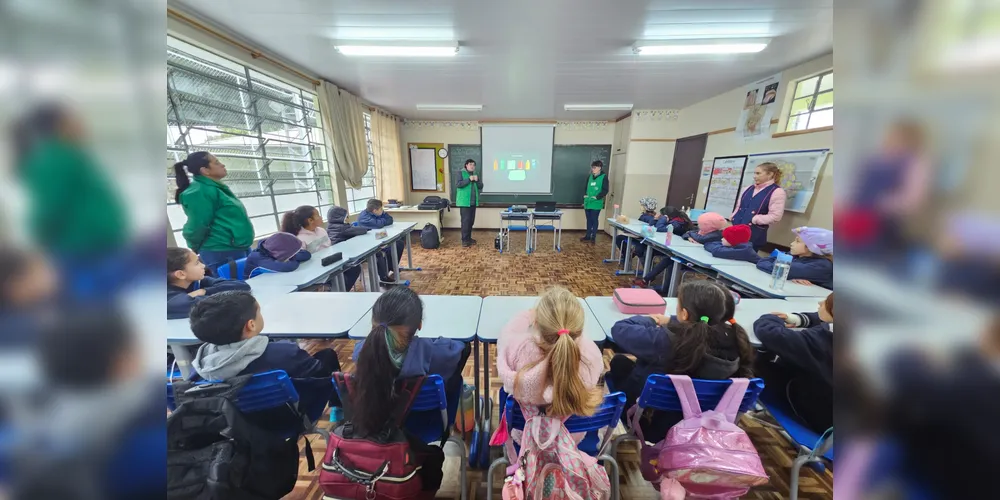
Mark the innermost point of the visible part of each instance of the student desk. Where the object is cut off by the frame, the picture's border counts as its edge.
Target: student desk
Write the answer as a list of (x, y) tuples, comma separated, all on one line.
[(659, 243), (749, 310), (450, 316), (556, 230), (410, 213), (759, 282), (632, 230), (697, 257), (506, 217)]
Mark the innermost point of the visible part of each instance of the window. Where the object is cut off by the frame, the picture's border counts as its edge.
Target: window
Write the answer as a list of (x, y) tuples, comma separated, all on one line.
[(812, 104), (357, 199), (268, 134)]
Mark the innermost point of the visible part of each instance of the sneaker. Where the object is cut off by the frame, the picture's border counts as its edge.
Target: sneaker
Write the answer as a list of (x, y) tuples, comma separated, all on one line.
[(472, 241), (639, 282), (467, 243), (585, 238)]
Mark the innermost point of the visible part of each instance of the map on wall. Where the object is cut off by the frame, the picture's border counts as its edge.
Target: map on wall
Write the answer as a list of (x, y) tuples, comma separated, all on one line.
[(724, 184), (800, 171)]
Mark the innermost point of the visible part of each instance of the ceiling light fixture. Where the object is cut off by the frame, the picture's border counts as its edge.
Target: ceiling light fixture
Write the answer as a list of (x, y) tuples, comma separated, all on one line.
[(598, 107), (399, 50), (450, 107), (695, 47)]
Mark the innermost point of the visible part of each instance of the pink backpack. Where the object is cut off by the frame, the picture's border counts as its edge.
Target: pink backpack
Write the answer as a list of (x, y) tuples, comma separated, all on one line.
[(550, 466), (707, 453), (639, 301)]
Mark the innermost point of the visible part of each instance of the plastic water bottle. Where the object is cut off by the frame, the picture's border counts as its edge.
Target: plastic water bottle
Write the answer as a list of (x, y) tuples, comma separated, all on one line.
[(618, 211), (336, 414), (779, 274)]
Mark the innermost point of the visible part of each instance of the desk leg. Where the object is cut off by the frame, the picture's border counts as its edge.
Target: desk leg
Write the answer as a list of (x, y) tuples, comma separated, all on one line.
[(674, 275), (339, 284), (183, 358), (395, 263), (373, 272), (614, 236), (409, 254), (559, 244), (475, 374), (488, 398), (648, 262), (628, 258)]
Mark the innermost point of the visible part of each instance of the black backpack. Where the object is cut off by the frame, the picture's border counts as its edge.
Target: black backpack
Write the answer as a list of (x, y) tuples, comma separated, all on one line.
[(429, 238), (215, 453)]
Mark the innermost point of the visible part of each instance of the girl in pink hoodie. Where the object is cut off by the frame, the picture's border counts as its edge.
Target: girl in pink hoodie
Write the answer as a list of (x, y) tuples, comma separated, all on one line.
[(544, 360)]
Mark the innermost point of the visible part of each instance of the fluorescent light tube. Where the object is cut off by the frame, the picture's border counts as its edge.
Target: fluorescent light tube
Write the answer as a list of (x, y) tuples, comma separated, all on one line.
[(398, 50), (699, 48), (598, 107), (450, 107)]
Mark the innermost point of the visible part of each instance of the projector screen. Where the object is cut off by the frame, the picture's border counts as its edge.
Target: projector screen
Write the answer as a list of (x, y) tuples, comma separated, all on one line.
[(517, 158)]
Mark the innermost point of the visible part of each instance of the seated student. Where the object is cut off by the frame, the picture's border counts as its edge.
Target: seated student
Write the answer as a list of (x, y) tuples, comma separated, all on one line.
[(374, 217), (29, 286), (280, 252), (699, 342), (187, 283), (647, 216), (306, 224), (230, 324), (544, 360), (735, 245), (812, 262), (710, 226), (798, 367), (339, 231), (672, 219)]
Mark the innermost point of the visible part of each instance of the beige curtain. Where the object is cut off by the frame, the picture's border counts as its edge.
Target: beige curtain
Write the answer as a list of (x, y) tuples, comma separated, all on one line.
[(389, 183), (344, 122)]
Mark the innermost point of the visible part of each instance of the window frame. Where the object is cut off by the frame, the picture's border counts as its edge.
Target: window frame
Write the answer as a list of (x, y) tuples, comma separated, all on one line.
[(368, 180), (813, 97)]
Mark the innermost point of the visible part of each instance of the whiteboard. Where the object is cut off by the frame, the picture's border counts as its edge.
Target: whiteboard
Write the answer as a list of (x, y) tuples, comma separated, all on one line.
[(423, 169), (724, 185), (799, 172)]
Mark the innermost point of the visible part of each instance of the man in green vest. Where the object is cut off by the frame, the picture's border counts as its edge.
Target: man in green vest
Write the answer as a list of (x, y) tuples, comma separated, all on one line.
[(467, 198), (593, 200)]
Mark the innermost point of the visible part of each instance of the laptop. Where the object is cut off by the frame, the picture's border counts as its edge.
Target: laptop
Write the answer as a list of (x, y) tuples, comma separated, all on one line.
[(545, 206)]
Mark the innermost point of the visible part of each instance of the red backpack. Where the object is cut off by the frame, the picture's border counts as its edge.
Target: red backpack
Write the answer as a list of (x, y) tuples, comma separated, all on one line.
[(373, 467)]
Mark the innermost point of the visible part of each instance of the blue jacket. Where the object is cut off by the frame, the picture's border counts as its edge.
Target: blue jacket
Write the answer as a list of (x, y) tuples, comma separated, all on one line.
[(818, 270), (743, 251), (179, 303), (311, 379), (426, 356), (370, 220), (677, 225), (713, 236), (648, 218), (809, 350), (262, 258)]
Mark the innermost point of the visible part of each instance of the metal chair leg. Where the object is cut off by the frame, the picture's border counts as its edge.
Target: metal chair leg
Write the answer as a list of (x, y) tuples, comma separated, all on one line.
[(614, 471), (465, 460), (793, 484), (489, 475)]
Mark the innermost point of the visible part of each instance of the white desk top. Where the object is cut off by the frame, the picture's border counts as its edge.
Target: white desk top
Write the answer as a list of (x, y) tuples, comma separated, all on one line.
[(412, 209), (660, 240), (449, 316), (634, 227), (697, 254), (497, 311), (748, 310), (299, 315), (749, 276), (607, 312), (312, 270)]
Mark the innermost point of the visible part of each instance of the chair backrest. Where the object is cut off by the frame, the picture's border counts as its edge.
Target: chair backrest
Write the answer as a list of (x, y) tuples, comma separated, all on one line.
[(264, 391), (257, 271), (694, 213), (225, 270), (659, 393), (607, 415)]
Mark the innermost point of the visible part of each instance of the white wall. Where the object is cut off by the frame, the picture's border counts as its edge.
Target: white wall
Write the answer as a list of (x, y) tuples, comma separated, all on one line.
[(448, 133)]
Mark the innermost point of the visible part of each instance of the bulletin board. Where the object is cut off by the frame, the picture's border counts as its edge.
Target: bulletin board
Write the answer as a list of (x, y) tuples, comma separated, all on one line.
[(426, 166)]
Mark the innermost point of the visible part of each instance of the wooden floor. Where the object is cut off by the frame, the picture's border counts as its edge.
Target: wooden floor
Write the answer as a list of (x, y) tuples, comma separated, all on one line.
[(480, 270)]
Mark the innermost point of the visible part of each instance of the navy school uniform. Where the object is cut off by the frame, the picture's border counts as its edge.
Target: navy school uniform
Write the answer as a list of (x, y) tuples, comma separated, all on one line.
[(262, 258), (704, 238), (179, 303), (743, 251), (677, 225), (750, 206), (818, 270)]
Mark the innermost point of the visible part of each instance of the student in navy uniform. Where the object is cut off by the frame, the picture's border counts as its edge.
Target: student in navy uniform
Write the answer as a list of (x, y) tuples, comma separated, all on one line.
[(761, 204), (735, 244), (340, 231), (700, 341), (710, 225), (29, 288), (812, 262), (375, 217), (187, 283), (798, 367), (672, 219), (649, 217), (280, 252)]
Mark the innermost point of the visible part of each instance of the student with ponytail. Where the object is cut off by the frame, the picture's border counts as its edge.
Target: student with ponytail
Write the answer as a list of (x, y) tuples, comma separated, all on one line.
[(307, 225), (700, 342), (544, 360), (217, 227)]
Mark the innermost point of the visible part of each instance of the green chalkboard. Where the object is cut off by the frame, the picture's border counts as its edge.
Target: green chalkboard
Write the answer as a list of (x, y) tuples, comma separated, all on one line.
[(570, 168)]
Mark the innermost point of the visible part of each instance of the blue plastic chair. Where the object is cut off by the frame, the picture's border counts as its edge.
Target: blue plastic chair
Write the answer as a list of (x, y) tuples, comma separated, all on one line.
[(224, 273), (695, 212), (264, 391), (659, 394), (812, 447), (432, 398), (606, 417)]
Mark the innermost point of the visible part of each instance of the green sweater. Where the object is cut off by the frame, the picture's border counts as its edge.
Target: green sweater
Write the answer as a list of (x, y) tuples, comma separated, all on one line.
[(216, 219), (74, 208)]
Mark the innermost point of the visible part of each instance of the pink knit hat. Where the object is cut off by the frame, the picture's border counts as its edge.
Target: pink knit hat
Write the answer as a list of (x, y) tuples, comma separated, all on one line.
[(709, 222)]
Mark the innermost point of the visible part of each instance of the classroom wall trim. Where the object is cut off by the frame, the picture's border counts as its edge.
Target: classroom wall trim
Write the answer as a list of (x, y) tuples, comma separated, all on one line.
[(441, 124), (657, 115), (803, 132), (544, 122), (652, 140)]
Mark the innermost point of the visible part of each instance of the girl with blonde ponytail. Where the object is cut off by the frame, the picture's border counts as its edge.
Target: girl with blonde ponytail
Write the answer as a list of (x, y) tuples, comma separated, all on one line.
[(544, 359)]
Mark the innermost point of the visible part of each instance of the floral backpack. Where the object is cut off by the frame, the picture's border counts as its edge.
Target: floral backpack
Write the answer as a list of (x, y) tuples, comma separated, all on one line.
[(550, 466)]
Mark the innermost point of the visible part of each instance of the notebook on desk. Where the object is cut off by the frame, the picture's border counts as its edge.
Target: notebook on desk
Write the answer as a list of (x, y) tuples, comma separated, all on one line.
[(545, 206)]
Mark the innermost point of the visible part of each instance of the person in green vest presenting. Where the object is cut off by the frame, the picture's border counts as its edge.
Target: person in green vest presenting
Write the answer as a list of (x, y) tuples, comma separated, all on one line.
[(593, 200), (467, 198)]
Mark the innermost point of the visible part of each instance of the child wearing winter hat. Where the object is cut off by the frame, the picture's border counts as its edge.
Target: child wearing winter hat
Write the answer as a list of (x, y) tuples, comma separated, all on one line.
[(710, 225), (812, 262), (735, 244), (649, 217), (280, 252)]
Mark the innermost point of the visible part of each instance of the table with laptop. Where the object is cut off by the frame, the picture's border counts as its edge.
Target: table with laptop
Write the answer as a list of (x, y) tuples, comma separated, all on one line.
[(550, 216)]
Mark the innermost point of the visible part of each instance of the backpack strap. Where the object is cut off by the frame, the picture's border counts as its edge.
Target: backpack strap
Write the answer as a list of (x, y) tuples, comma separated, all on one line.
[(232, 270), (188, 391), (686, 394), (408, 390), (634, 416), (729, 405), (345, 388)]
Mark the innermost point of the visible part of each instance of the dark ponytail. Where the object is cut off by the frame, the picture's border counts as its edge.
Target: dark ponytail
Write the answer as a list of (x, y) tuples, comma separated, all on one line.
[(293, 221), (193, 165), (731, 327), (693, 338), (397, 312)]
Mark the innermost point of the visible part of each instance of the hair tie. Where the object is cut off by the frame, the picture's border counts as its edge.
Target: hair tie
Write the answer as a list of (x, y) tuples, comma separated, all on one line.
[(384, 325), (562, 332), (731, 321), (704, 319)]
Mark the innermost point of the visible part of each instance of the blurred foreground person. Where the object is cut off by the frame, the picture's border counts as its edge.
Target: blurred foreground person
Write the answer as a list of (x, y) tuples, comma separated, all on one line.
[(28, 287)]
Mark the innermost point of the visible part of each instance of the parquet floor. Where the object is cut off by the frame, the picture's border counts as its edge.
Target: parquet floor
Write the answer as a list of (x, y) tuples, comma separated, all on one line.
[(480, 270)]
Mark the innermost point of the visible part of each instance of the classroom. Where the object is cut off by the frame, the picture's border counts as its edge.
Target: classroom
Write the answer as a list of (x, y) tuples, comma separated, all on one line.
[(362, 196)]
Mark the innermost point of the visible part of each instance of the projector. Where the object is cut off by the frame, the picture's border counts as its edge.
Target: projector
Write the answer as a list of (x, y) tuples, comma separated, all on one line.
[(519, 208)]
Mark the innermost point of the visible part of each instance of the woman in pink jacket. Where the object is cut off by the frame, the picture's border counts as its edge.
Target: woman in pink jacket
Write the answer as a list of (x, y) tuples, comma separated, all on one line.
[(761, 204), (544, 360)]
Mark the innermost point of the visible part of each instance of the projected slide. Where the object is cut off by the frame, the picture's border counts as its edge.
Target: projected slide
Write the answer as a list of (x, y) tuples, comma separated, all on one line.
[(517, 158)]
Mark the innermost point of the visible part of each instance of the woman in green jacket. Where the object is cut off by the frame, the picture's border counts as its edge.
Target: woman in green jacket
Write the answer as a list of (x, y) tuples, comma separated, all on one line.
[(217, 227)]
